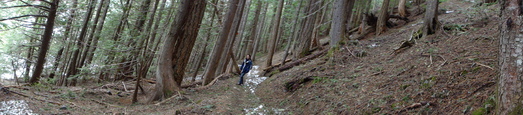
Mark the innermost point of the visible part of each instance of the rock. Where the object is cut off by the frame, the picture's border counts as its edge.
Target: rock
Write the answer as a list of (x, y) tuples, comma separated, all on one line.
[(63, 108), (208, 107)]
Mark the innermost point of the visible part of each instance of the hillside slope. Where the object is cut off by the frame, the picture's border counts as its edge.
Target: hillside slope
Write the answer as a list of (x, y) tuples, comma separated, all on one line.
[(451, 72)]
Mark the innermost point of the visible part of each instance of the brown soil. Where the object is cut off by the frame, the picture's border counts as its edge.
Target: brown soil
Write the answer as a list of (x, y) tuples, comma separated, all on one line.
[(451, 72)]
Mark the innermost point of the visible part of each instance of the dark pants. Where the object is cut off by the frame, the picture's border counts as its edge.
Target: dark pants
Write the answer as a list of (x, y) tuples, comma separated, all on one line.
[(241, 78)]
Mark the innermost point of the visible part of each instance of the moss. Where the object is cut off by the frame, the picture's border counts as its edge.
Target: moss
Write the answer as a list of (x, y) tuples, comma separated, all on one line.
[(332, 51), (480, 111)]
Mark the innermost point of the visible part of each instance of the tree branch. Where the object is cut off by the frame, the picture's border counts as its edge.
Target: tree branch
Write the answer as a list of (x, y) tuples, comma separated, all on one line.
[(44, 8), (31, 23), (45, 1), (12, 18), (32, 27)]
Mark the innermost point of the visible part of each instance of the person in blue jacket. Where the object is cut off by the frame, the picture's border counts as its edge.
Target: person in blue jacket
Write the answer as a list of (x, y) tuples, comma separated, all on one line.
[(245, 68)]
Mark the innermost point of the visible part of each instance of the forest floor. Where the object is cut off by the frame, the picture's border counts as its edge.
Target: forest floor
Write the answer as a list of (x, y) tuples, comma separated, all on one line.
[(451, 72)]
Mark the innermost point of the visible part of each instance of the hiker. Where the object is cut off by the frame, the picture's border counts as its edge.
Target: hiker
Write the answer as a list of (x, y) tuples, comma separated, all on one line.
[(245, 68)]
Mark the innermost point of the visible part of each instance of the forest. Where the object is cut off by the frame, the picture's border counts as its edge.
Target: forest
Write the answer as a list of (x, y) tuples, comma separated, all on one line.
[(347, 57)]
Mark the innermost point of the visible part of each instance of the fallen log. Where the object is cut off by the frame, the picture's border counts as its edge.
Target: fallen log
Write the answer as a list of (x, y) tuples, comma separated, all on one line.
[(297, 62), (364, 33), (399, 17), (276, 65), (302, 60)]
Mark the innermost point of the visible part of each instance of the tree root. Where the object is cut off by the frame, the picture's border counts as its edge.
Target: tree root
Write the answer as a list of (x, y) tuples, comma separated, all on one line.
[(161, 102)]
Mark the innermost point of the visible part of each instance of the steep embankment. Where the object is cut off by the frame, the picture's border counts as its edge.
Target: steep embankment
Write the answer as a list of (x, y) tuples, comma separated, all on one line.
[(451, 72)]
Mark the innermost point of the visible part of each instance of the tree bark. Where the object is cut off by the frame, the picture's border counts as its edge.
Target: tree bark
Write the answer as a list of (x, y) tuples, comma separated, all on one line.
[(259, 35), (232, 43), (294, 33), (46, 39), (96, 35), (67, 34), (243, 42), (350, 6), (254, 29), (74, 65), (431, 18), (274, 36), (510, 86), (220, 43), (338, 22), (94, 28), (383, 17), (305, 34), (56, 62), (177, 48), (401, 8)]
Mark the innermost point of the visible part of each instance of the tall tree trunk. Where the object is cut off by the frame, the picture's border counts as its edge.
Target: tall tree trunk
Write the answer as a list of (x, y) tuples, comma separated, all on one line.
[(348, 24), (204, 49), (315, 31), (258, 39), (87, 42), (98, 31), (383, 17), (274, 36), (220, 43), (153, 41), (177, 48), (243, 42), (139, 54), (46, 39), (254, 29), (74, 65), (431, 18), (510, 86), (68, 28), (401, 8), (294, 33), (90, 36), (56, 62), (306, 33), (232, 44), (123, 20), (339, 16), (124, 66), (30, 53)]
